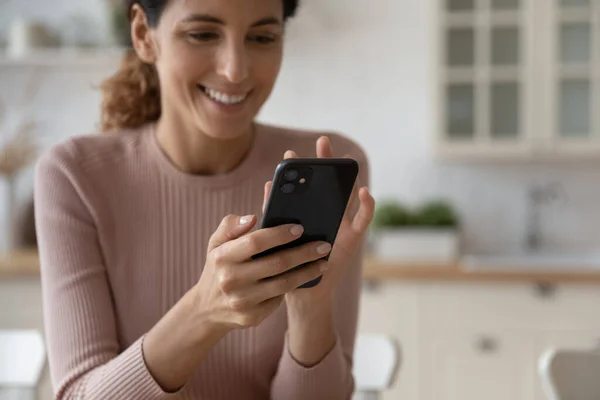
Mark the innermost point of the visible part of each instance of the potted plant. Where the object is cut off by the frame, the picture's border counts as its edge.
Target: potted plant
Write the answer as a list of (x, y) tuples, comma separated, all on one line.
[(428, 234)]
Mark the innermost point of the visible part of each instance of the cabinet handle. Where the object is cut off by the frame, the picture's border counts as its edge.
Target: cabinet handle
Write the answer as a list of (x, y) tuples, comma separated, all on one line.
[(371, 286), (545, 290), (486, 344)]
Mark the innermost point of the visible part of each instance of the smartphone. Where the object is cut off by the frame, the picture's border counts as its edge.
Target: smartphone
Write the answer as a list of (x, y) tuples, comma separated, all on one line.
[(312, 192)]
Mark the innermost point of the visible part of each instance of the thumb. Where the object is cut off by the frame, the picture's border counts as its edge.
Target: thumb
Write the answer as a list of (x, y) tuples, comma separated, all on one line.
[(231, 227)]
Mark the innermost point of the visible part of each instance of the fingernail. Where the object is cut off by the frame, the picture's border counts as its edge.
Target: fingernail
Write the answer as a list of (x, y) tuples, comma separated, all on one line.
[(297, 230), (246, 219), (324, 248), (324, 266)]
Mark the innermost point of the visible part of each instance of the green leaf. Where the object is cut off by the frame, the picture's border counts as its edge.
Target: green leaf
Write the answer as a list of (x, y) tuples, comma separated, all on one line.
[(436, 213), (432, 214), (390, 214)]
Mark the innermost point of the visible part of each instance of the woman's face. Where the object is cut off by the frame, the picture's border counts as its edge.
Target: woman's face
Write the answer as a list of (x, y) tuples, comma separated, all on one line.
[(218, 61)]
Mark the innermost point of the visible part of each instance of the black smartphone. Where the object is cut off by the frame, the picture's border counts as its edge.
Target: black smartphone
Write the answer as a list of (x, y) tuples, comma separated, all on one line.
[(312, 192)]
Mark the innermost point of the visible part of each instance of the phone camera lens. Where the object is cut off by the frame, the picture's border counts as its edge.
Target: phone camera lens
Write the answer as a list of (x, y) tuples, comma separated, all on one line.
[(291, 174), (288, 188)]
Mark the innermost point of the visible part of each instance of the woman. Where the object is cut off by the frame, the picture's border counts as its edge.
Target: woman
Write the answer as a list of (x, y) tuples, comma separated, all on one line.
[(146, 232)]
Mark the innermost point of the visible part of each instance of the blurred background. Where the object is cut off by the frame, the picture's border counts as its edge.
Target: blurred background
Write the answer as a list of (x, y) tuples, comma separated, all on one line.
[(481, 121)]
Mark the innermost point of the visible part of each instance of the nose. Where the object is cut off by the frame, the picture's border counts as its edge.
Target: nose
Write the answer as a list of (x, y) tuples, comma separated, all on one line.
[(233, 61)]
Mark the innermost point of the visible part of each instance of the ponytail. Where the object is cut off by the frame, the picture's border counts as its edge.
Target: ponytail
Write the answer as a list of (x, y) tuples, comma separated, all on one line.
[(131, 97)]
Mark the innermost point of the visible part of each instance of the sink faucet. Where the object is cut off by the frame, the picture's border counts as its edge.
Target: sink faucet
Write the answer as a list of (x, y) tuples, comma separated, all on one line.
[(539, 195)]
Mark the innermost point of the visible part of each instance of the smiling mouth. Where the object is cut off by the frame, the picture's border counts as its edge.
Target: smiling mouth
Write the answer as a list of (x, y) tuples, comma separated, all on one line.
[(223, 98)]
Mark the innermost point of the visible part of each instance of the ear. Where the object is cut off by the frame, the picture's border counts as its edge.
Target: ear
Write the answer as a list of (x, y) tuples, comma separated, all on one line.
[(141, 35)]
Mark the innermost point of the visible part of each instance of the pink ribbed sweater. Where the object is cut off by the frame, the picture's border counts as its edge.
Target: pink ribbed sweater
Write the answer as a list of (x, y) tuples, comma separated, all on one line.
[(122, 236)]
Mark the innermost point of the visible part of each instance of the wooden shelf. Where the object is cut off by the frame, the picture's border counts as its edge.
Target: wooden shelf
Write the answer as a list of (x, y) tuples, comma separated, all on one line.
[(65, 57), (375, 270)]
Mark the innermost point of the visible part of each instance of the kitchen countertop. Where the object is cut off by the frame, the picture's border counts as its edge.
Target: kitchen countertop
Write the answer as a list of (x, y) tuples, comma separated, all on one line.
[(375, 270), (20, 264), (25, 263)]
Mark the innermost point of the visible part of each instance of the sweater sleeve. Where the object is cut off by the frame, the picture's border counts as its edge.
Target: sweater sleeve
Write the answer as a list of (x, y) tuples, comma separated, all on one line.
[(332, 378), (83, 349)]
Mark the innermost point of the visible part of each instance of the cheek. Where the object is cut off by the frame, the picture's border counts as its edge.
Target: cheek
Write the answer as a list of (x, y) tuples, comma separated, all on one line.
[(267, 68), (185, 66)]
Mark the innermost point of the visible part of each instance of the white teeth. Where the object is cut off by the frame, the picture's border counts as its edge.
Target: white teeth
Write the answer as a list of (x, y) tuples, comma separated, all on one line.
[(224, 98)]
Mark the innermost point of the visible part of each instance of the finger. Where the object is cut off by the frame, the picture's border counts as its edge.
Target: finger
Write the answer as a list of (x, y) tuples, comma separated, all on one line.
[(284, 260), (364, 216), (255, 243), (231, 228), (268, 187), (287, 282), (290, 154), (324, 147)]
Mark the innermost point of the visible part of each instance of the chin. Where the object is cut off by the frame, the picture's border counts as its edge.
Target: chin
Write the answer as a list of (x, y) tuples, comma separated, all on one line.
[(217, 124)]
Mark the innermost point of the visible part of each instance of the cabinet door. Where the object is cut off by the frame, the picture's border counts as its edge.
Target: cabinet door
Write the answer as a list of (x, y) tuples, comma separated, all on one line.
[(484, 77), (391, 309), (470, 365), (574, 31), (21, 304)]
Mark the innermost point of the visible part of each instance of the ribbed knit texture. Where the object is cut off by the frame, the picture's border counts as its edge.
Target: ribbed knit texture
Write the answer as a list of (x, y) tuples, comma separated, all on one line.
[(122, 236)]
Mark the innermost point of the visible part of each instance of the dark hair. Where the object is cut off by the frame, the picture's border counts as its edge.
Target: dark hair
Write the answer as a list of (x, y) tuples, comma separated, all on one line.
[(131, 97), (155, 8)]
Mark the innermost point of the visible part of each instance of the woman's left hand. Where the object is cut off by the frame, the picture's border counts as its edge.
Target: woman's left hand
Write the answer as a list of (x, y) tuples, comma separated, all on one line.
[(349, 238)]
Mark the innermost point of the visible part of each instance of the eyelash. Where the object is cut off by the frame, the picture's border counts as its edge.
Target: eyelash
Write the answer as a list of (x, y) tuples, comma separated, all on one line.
[(261, 39), (203, 36), (208, 36)]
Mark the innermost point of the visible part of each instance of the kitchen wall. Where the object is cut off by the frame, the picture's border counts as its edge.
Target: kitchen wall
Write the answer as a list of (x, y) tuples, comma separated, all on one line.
[(367, 71), (84, 18)]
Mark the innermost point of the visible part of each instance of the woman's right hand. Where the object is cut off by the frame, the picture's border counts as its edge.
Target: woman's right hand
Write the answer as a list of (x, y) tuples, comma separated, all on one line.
[(233, 291)]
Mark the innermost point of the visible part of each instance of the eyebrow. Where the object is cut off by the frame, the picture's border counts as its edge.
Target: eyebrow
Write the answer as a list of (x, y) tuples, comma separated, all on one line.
[(215, 20)]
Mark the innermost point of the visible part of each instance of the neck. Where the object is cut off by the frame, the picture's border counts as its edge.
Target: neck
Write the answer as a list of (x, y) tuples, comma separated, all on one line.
[(194, 152)]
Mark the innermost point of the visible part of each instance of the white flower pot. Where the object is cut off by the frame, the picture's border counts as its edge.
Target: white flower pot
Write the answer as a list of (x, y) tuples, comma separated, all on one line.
[(26, 35), (419, 245)]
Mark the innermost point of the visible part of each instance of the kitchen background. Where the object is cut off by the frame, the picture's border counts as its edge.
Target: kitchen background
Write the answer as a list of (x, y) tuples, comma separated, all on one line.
[(376, 72), (368, 71)]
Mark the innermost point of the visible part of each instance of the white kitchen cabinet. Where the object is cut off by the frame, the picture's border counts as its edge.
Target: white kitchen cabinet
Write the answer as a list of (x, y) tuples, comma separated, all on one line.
[(473, 341), (475, 365), (21, 304), (573, 76), (518, 79), (392, 309)]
